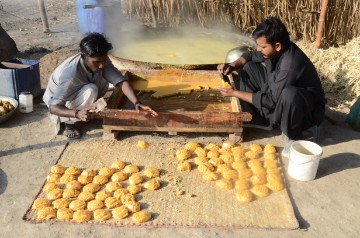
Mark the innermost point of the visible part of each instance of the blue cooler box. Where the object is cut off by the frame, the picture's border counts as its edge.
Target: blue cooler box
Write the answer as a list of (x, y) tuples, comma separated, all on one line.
[(19, 75)]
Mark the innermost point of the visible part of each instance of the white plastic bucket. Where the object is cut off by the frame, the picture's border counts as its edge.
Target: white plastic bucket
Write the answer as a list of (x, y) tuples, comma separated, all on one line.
[(304, 160)]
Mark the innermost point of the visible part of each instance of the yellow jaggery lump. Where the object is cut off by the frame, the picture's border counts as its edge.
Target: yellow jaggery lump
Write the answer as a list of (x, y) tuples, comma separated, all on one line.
[(91, 188), (141, 217), (151, 172), (95, 204), (244, 173), (119, 177), (152, 184), (86, 196), (77, 205), (254, 163), (191, 146), (244, 196), (258, 179), (269, 149), (200, 152), (273, 177), (107, 172), (210, 176), (268, 156), (120, 213), (205, 167), (224, 184), (74, 185), (273, 170), (64, 214), (53, 178), (40, 203), (102, 195), (222, 167), (228, 145), (227, 157), (200, 160), (46, 213), (130, 169), (256, 148), (82, 216), (270, 164), (237, 150), (183, 154), (61, 203), (216, 161), (133, 206), (118, 165), (102, 215), (230, 174), (141, 144), (112, 186), (212, 154), (120, 192), (126, 198), (184, 166), (73, 170), (240, 157), (84, 179), (275, 185), (134, 189), (238, 165), (55, 194), (88, 172), (67, 178), (57, 169), (242, 184), (136, 179), (50, 186), (70, 193), (100, 179), (251, 154), (257, 170), (260, 191), (212, 147)]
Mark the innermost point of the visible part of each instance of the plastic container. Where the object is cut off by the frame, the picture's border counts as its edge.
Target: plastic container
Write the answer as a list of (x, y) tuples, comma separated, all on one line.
[(19, 75), (353, 119), (304, 160), (26, 102), (90, 14)]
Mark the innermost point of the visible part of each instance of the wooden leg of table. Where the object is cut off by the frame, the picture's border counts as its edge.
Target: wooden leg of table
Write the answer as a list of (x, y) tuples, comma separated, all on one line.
[(110, 135), (236, 137), (172, 133)]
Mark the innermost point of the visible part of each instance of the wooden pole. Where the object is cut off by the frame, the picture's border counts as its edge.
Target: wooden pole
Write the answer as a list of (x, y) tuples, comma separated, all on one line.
[(321, 24), (44, 19), (153, 13)]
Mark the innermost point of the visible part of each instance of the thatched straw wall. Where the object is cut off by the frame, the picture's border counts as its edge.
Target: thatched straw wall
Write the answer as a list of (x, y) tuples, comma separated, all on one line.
[(300, 16)]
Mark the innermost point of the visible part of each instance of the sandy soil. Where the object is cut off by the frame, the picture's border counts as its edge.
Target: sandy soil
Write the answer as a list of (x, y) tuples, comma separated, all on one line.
[(327, 206)]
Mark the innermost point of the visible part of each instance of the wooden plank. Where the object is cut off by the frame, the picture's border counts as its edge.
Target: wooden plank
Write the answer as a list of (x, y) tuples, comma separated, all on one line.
[(174, 121)]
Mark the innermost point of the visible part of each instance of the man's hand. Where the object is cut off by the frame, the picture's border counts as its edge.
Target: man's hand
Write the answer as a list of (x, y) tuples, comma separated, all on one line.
[(83, 115), (225, 69), (139, 106), (227, 92)]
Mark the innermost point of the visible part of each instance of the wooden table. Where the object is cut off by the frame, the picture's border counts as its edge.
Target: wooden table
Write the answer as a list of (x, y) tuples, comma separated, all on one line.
[(203, 110)]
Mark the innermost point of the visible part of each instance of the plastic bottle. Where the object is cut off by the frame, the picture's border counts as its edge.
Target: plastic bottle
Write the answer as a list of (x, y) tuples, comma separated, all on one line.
[(26, 102)]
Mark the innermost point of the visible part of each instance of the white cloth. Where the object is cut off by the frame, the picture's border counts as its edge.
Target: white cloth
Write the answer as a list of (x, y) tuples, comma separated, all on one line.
[(75, 87), (83, 99)]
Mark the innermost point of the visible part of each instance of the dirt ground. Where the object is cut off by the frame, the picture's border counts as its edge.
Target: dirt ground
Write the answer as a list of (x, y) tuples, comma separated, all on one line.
[(327, 206)]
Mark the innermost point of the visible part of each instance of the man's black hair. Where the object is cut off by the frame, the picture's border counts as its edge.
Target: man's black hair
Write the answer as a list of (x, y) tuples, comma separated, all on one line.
[(273, 30), (95, 44)]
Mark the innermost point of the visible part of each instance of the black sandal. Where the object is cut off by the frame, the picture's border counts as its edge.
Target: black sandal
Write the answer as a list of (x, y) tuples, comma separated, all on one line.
[(71, 133)]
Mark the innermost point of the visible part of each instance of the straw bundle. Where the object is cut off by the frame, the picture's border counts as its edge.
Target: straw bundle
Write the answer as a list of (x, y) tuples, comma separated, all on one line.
[(300, 16)]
